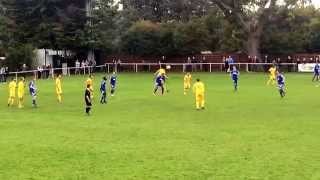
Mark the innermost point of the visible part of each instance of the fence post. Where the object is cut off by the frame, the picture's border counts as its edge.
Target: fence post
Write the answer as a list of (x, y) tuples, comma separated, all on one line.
[(184, 68), (136, 68), (247, 67), (16, 76), (210, 67)]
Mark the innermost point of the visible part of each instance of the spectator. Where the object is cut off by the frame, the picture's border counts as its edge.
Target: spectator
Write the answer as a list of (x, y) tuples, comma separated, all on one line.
[(87, 65), (189, 66), (44, 71), (119, 65), (83, 67), (226, 64), (77, 65), (201, 63), (279, 63), (194, 66), (6, 73), (289, 60), (265, 66), (93, 65), (2, 74), (23, 69), (114, 62), (51, 73), (231, 60)]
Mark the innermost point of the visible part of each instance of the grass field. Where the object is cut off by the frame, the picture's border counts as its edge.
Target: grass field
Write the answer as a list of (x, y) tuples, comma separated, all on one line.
[(252, 134)]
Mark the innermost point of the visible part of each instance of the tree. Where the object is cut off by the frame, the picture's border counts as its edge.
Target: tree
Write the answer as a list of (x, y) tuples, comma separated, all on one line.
[(293, 31), (46, 23), (142, 39), (168, 10), (101, 29), (252, 16)]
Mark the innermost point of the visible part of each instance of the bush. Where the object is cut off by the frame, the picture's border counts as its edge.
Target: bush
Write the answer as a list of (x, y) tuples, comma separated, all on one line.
[(18, 55)]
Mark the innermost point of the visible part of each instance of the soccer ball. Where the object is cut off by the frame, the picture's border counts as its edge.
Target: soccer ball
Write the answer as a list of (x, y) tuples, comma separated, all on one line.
[(168, 67)]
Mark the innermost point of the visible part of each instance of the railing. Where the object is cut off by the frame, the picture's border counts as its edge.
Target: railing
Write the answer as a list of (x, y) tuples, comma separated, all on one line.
[(152, 67)]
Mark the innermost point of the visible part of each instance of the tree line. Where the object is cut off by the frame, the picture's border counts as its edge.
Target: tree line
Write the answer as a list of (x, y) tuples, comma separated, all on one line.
[(159, 27)]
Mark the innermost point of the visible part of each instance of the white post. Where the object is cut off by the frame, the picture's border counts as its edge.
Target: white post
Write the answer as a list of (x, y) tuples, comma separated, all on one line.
[(184, 68), (247, 67), (210, 67), (108, 68), (136, 68)]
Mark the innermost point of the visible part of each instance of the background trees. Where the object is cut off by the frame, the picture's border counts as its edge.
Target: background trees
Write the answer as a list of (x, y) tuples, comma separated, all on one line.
[(161, 27)]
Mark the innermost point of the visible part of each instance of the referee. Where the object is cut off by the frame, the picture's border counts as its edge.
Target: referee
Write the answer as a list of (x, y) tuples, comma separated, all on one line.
[(88, 100)]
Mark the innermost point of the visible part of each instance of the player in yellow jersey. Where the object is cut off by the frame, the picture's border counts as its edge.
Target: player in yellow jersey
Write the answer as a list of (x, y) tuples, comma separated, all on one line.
[(161, 71), (89, 83), (59, 88), (199, 90), (12, 91), (21, 92), (272, 76), (187, 82)]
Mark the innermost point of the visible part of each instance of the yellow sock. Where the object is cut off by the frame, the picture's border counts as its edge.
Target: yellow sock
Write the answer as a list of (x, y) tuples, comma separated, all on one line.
[(202, 104), (59, 98), (198, 105)]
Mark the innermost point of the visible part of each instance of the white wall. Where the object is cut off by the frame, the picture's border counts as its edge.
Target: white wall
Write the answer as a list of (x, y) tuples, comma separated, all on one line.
[(42, 58)]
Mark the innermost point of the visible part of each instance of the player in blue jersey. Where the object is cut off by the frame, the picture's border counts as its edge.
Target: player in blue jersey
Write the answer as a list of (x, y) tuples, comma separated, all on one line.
[(316, 72), (235, 77), (103, 90), (281, 84), (160, 79), (33, 92), (113, 82)]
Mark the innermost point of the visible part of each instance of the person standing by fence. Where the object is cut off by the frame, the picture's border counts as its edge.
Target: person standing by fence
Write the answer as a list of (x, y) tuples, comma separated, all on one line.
[(2, 74), (77, 65), (226, 64)]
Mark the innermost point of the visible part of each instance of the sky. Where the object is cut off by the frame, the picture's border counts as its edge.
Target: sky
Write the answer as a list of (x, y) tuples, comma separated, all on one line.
[(316, 2)]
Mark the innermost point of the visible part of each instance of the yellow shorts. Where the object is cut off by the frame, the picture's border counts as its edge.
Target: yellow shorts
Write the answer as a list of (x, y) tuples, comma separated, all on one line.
[(199, 97), (20, 95), (187, 85), (12, 95)]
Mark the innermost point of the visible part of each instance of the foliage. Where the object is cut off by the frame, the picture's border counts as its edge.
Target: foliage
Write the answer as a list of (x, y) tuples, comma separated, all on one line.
[(19, 54), (162, 27)]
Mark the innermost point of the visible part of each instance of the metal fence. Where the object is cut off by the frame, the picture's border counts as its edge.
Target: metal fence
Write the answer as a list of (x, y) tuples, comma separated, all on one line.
[(152, 67)]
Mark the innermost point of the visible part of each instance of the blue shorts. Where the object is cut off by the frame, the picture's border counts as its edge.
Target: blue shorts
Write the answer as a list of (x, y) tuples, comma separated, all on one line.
[(281, 86), (235, 79), (159, 85), (113, 86), (316, 73)]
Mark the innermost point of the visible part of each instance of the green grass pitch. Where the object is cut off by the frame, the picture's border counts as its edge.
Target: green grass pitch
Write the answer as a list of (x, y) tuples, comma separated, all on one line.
[(252, 134)]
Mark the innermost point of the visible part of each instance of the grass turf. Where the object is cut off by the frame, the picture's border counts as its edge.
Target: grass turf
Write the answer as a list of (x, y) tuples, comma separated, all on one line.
[(252, 134)]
